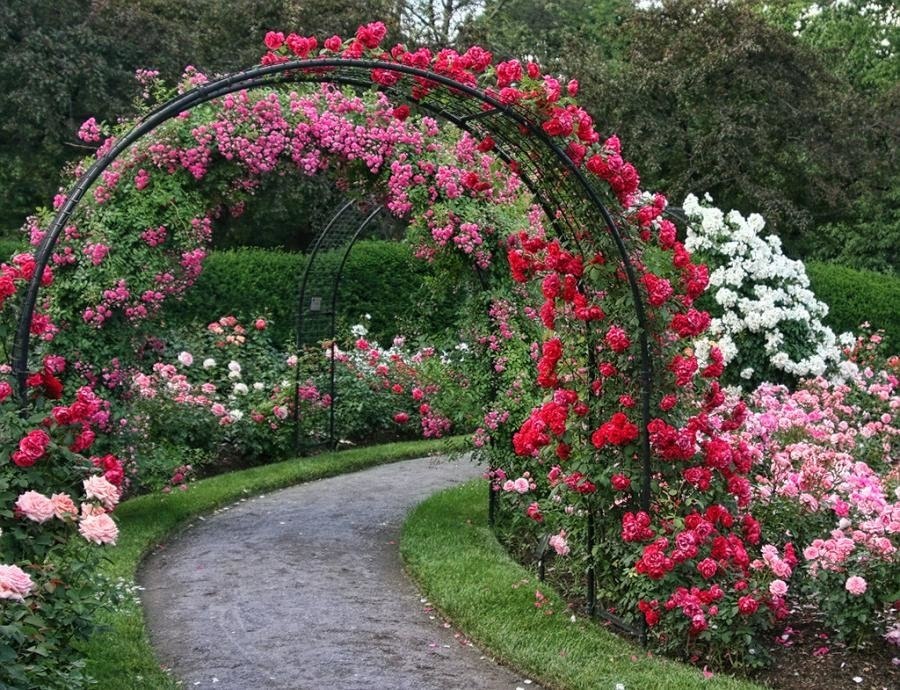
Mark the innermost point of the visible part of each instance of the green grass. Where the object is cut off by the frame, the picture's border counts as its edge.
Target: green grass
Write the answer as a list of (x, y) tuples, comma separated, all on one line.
[(119, 653), (467, 575)]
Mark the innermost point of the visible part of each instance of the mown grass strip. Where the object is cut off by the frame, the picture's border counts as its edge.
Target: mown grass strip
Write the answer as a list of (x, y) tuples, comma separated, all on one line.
[(119, 653), (467, 575)]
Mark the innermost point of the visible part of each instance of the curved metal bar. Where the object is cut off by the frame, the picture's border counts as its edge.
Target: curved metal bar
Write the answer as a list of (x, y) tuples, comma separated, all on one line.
[(329, 70), (334, 296), (298, 335)]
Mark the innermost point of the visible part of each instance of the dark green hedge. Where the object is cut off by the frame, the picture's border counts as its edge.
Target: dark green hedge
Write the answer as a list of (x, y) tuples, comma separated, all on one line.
[(381, 278), (855, 296), (10, 245)]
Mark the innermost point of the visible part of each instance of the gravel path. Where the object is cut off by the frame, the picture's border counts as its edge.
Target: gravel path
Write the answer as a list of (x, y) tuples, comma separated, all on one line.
[(304, 589)]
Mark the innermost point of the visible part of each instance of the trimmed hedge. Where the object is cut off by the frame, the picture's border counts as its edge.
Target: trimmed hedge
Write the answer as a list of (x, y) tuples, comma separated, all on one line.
[(381, 278), (11, 245), (854, 296)]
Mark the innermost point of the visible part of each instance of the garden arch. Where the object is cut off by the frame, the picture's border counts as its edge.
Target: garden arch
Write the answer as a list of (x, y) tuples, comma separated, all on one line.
[(557, 182), (318, 296)]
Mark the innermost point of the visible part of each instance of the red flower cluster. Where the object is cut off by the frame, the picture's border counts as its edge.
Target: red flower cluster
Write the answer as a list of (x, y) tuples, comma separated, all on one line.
[(654, 563), (550, 356), (618, 431), (636, 527), (31, 448), (533, 434), (659, 290)]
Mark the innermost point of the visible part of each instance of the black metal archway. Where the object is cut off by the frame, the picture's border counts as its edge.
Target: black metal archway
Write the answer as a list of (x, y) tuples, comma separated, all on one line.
[(570, 200), (318, 297), (561, 187)]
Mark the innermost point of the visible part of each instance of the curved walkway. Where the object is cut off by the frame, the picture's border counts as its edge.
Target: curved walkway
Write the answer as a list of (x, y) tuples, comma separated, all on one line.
[(304, 589)]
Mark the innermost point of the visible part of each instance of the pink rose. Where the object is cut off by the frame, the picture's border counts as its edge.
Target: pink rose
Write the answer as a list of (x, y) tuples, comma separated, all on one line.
[(35, 506), (103, 490), (778, 588), (260, 324), (99, 529), (186, 358), (14, 583), (521, 485), (559, 543), (856, 585), (63, 506)]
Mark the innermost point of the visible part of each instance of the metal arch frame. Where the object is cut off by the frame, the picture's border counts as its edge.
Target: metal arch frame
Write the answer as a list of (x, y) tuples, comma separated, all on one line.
[(550, 179), (318, 246), (358, 72)]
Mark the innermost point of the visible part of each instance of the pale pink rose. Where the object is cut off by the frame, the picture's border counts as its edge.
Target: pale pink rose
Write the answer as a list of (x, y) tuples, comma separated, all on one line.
[(218, 409), (778, 588), (14, 583), (99, 529), (280, 411), (186, 358), (855, 585), (559, 543), (101, 489), (35, 506), (521, 485), (89, 509), (63, 506)]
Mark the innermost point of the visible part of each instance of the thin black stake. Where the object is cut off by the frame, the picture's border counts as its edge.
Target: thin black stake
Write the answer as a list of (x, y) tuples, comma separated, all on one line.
[(591, 574)]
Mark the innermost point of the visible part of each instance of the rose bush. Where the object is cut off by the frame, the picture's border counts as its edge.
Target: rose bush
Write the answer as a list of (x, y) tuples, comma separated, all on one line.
[(827, 478), (767, 322)]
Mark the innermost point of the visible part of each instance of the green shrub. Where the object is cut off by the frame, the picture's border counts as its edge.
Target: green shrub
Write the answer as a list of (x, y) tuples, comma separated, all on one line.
[(854, 296), (10, 245), (380, 278)]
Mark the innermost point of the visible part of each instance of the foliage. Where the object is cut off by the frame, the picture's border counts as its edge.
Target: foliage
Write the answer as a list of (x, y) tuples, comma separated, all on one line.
[(767, 322), (858, 38), (857, 296), (61, 62), (381, 279)]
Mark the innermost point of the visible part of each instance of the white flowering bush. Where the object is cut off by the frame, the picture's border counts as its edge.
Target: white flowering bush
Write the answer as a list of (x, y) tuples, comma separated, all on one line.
[(766, 320)]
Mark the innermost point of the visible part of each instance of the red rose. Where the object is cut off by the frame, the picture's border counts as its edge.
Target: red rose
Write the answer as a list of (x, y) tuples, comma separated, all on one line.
[(274, 40), (334, 43), (508, 72), (707, 568), (620, 482), (747, 605), (617, 339), (34, 445), (371, 34)]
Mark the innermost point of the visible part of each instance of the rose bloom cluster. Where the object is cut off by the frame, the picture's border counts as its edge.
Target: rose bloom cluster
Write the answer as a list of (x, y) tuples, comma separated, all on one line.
[(827, 456), (37, 458), (761, 297)]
